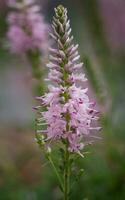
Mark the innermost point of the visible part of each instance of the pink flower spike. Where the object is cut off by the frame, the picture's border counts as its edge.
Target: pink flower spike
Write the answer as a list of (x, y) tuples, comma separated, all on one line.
[(68, 110), (27, 29)]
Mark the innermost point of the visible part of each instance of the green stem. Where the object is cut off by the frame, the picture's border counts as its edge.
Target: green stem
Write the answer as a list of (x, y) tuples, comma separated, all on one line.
[(37, 72), (58, 176), (66, 174)]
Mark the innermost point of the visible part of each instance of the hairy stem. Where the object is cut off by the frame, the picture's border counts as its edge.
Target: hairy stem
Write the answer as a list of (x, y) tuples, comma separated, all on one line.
[(66, 174)]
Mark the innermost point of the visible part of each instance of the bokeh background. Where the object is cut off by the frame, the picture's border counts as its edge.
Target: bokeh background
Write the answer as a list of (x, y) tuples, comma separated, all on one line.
[(99, 28)]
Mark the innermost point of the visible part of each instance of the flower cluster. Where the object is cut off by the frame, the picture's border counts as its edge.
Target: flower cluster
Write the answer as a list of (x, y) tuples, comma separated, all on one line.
[(27, 29), (68, 113)]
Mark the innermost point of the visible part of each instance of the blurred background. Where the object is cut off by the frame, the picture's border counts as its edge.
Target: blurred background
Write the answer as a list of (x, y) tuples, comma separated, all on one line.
[(98, 27)]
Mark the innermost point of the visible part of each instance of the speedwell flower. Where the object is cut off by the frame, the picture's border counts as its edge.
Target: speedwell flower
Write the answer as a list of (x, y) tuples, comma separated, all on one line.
[(68, 115), (27, 29)]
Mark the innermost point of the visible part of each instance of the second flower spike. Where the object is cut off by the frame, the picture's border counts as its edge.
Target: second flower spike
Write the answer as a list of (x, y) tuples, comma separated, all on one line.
[(27, 29)]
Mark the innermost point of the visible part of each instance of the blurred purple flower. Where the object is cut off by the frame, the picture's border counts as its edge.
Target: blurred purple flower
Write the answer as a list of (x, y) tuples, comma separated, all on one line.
[(113, 15), (12, 2), (27, 29)]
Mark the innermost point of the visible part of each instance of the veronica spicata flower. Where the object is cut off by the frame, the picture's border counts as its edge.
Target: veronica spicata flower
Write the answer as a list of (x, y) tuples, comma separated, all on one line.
[(27, 29), (68, 112)]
